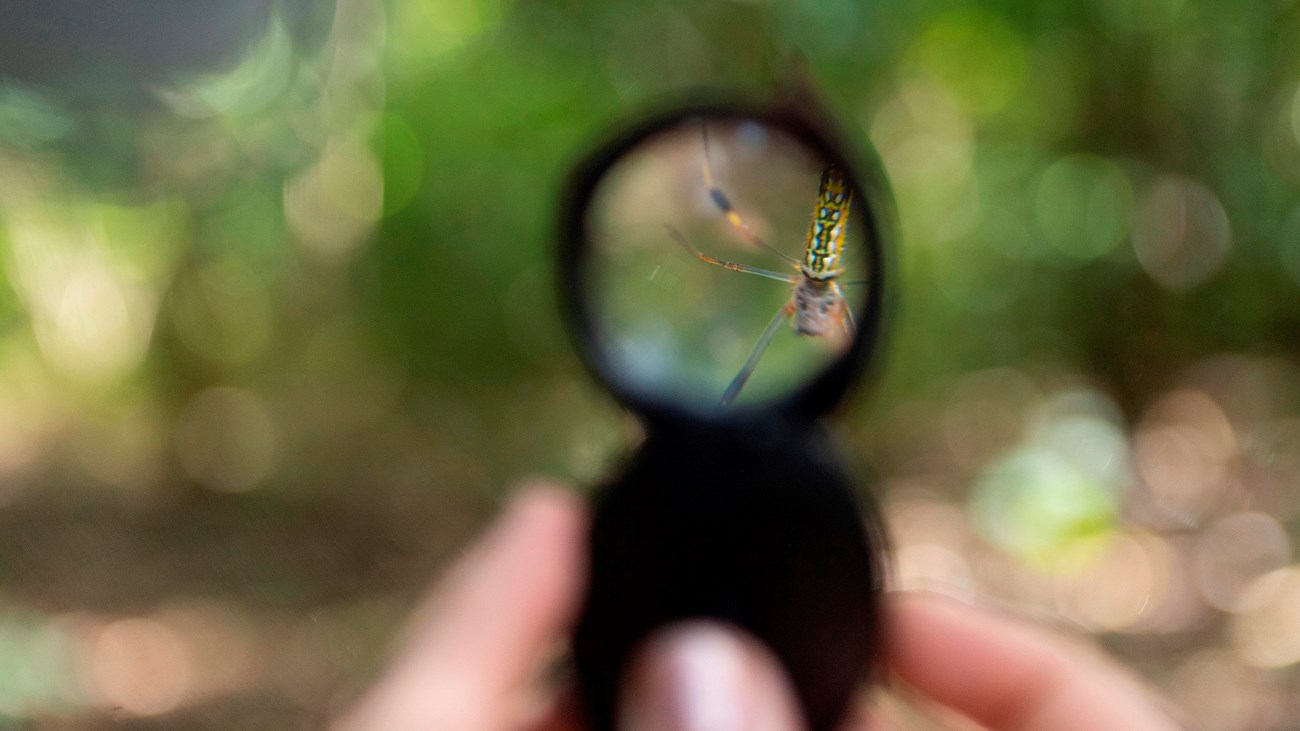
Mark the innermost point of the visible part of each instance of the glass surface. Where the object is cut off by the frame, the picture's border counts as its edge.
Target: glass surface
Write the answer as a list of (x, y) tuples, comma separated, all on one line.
[(704, 290)]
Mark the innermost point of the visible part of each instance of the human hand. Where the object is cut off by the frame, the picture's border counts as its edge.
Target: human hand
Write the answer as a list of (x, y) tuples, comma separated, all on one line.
[(474, 659), (477, 646), (1007, 675)]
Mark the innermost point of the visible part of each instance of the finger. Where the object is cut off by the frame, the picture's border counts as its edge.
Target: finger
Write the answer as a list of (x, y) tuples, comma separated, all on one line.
[(1009, 677), (488, 625), (701, 676)]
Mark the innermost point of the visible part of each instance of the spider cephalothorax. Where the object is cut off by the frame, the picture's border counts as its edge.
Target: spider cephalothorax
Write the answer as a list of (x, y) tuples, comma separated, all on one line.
[(818, 308)]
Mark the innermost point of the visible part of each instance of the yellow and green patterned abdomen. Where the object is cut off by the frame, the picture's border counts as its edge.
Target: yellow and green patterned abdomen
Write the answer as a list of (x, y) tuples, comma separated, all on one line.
[(821, 257)]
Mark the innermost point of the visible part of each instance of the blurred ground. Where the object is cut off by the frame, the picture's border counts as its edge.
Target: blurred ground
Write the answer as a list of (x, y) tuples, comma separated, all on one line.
[(277, 331)]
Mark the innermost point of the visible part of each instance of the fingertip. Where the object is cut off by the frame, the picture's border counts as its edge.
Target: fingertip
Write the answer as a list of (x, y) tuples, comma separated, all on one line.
[(546, 511), (702, 675), (543, 530), (1006, 674), (965, 657), (923, 622), (545, 497)]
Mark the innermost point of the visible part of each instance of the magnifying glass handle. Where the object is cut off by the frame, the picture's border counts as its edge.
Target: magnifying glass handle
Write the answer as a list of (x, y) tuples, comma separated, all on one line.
[(760, 528)]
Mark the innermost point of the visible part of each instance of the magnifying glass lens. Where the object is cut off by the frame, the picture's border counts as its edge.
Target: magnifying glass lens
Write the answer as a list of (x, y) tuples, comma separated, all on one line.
[(726, 263)]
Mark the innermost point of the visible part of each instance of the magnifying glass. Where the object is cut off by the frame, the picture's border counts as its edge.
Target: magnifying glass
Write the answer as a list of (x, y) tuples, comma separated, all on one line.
[(723, 273)]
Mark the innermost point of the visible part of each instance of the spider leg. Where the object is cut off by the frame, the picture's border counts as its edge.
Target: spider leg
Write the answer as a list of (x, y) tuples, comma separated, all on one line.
[(723, 204), (737, 383), (733, 266)]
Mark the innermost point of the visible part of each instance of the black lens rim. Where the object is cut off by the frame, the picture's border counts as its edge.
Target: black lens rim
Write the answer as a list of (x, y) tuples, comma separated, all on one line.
[(806, 124)]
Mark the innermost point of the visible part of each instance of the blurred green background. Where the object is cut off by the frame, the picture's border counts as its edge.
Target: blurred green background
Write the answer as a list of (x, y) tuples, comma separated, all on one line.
[(277, 329)]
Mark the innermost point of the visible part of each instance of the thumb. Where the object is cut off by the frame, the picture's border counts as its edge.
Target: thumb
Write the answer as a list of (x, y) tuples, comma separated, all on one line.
[(702, 676)]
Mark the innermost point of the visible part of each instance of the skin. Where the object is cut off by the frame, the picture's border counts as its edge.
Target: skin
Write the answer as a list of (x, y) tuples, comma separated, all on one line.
[(476, 653)]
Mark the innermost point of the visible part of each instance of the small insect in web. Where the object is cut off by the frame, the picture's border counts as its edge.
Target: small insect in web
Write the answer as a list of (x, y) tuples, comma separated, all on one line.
[(817, 306)]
